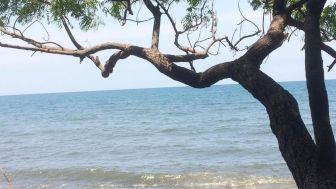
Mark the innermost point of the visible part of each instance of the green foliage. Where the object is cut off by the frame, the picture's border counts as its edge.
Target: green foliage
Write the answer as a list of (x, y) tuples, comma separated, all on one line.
[(194, 3), (260, 4), (87, 12), (116, 9), (83, 10), (197, 12), (328, 22), (2, 24), (26, 11), (30, 10), (256, 4)]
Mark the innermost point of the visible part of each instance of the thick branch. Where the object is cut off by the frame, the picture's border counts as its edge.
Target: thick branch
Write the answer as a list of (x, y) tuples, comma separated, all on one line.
[(272, 40), (157, 23), (295, 23), (186, 58), (156, 32), (184, 75), (108, 68)]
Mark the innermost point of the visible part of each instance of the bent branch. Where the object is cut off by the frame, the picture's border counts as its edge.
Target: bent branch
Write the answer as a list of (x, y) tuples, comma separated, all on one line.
[(269, 42), (108, 68), (184, 75)]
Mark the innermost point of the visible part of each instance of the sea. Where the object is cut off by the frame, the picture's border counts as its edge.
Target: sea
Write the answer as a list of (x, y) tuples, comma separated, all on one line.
[(162, 138)]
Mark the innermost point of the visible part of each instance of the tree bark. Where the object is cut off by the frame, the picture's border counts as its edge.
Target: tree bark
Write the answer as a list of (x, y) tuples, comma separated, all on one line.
[(295, 143), (318, 98)]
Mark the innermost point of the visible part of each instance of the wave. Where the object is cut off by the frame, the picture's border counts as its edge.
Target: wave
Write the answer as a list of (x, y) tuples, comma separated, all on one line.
[(100, 178)]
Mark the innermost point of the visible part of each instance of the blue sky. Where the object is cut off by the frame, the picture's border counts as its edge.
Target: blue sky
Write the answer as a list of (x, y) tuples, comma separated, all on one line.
[(22, 73)]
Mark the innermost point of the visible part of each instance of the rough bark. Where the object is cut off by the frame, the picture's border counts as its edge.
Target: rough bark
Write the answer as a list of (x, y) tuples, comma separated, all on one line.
[(318, 98), (155, 10), (295, 143)]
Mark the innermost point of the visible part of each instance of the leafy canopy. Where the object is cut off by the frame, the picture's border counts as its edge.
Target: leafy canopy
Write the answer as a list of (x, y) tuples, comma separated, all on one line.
[(86, 12)]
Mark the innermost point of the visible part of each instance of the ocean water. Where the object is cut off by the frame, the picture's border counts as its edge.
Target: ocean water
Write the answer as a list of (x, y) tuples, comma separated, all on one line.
[(148, 138)]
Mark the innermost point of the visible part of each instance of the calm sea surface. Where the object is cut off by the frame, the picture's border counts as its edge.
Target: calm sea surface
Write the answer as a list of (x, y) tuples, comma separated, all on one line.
[(150, 138)]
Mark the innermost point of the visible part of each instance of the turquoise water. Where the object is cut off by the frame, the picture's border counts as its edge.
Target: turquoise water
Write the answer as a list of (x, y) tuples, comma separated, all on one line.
[(148, 138)]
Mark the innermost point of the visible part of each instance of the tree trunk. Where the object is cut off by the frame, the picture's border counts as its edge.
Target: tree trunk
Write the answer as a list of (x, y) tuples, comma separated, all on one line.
[(319, 178), (295, 143), (318, 98)]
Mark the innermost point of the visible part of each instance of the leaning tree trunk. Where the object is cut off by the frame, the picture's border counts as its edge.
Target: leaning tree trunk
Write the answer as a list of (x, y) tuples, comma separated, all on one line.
[(313, 165), (296, 145)]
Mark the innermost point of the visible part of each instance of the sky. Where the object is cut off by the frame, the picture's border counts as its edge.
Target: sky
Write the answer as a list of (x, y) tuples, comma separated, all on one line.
[(22, 72)]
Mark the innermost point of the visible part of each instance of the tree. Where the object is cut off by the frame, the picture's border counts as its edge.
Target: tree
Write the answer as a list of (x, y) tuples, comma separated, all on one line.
[(312, 162)]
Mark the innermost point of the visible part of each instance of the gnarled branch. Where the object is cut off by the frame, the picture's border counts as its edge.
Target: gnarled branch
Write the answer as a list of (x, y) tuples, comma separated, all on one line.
[(108, 68)]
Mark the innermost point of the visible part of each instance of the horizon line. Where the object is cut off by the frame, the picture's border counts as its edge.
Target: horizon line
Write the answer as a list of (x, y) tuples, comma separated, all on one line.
[(140, 88)]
